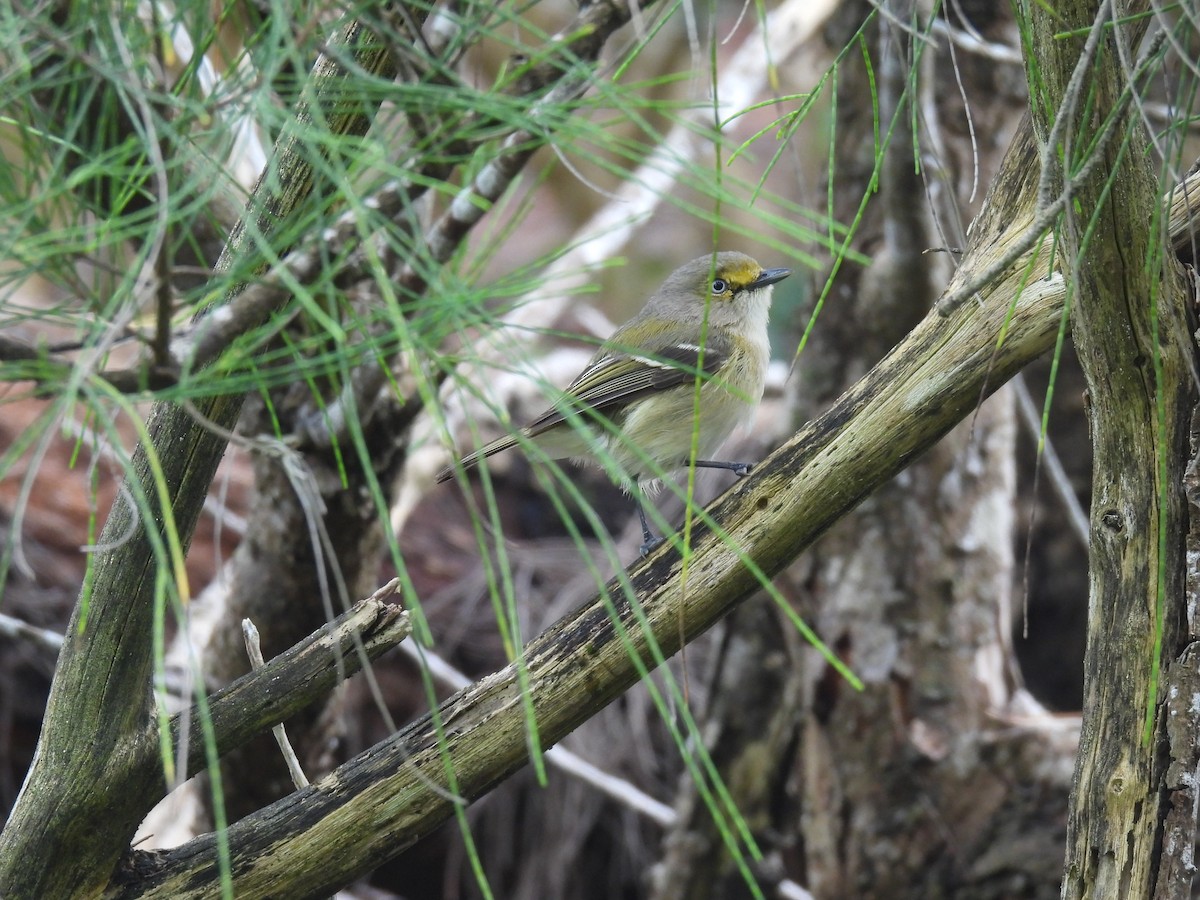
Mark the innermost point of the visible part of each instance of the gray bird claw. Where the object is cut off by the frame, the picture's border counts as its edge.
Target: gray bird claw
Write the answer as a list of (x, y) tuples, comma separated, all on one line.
[(650, 545)]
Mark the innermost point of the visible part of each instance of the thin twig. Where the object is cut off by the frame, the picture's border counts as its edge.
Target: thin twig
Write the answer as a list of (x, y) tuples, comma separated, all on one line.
[(1057, 140), (10, 626), (307, 671), (1060, 481), (1045, 213), (973, 43), (254, 651)]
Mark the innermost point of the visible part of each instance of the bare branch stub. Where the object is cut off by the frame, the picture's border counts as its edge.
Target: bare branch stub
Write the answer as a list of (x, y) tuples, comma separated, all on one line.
[(296, 678)]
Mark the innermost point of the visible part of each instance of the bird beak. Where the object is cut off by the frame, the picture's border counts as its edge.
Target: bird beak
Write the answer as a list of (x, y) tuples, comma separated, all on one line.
[(769, 276)]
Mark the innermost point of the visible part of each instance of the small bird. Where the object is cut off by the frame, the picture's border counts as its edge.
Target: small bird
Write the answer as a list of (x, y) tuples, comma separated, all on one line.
[(634, 407)]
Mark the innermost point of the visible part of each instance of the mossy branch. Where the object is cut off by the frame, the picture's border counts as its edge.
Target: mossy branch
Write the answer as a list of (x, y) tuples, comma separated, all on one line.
[(1130, 324), (380, 803)]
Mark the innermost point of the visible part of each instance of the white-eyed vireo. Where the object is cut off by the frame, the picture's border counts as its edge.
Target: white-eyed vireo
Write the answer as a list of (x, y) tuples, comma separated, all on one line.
[(634, 405)]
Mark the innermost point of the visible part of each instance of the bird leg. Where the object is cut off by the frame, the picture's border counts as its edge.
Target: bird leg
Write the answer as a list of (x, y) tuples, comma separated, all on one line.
[(649, 541), (740, 469)]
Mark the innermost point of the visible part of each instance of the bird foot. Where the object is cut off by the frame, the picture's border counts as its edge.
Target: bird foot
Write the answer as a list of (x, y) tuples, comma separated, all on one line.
[(650, 544)]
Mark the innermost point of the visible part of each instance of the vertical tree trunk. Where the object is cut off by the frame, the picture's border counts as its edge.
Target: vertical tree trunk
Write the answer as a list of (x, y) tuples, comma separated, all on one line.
[(1130, 327)]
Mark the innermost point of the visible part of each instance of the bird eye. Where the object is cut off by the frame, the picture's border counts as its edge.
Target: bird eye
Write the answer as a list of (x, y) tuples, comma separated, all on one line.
[(719, 286)]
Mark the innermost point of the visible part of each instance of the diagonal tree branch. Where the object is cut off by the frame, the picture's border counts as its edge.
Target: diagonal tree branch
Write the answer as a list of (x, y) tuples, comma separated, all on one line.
[(382, 802), (385, 800), (287, 684)]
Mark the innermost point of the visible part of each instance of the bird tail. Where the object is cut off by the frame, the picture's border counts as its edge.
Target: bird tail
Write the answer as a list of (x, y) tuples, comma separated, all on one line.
[(471, 459)]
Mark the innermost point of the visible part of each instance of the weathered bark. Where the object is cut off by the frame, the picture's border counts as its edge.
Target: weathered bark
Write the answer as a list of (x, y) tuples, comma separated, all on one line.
[(1177, 871), (915, 588), (1130, 324), (289, 683)]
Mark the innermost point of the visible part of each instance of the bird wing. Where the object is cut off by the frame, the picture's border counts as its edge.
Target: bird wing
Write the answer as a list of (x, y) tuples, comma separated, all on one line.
[(611, 382), (617, 379)]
